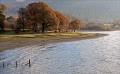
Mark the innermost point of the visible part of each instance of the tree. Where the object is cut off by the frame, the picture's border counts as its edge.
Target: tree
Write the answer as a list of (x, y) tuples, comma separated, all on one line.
[(63, 21), (49, 19), (11, 21), (43, 15), (22, 17), (3, 7), (34, 15), (18, 26), (75, 24), (1, 12), (2, 18), (116, 23)]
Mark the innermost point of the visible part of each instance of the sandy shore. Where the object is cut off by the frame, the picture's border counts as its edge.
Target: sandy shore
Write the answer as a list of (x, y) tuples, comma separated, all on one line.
[(11, 43)]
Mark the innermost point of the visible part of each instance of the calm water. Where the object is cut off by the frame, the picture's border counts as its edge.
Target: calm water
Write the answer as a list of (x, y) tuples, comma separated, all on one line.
[(91, 56)]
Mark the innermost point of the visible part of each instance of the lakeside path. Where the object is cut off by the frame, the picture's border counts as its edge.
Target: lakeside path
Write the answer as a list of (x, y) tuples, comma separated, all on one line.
[(21, 40)]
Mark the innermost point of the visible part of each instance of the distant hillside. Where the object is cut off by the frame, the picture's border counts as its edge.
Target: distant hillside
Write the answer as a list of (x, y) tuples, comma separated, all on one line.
[(14, 5), (99, 11)]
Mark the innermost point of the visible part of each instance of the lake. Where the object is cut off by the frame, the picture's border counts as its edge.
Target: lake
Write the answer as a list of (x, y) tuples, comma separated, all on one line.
[(91, 56)]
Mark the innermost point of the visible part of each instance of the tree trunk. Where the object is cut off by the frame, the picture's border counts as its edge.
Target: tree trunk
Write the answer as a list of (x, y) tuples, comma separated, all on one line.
[(35, 27), (23, 28), (43, 27), (59, 30), (74, 30)]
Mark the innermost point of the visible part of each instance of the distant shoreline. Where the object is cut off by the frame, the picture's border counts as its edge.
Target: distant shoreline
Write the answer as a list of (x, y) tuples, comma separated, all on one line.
[(12, 43)]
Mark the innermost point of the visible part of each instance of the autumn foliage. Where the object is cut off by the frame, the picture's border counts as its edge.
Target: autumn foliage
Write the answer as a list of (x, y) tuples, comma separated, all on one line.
[(63, 21), (75, 24), (40, 17), (3, 8)]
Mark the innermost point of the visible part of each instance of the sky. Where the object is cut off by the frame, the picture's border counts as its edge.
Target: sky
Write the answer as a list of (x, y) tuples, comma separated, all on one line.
[(99, 11)]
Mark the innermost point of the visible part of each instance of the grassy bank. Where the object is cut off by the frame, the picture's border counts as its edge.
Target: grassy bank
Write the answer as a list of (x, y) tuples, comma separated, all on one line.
[(10, 41), (45, 35)]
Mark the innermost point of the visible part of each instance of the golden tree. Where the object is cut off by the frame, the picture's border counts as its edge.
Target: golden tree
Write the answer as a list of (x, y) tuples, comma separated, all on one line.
[(33, 10), (63, 21), (75, 24), (43, 15), (3, 8)]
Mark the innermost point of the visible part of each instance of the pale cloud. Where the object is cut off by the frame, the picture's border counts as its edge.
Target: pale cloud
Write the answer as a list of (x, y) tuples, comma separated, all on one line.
[(20, 0)]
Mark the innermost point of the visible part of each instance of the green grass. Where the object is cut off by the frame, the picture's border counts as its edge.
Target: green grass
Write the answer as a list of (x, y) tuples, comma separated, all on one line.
[(45, 35), (9, 41)]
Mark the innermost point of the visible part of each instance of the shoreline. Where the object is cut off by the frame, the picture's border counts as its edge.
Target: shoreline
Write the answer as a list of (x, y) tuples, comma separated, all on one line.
[(13, 43)]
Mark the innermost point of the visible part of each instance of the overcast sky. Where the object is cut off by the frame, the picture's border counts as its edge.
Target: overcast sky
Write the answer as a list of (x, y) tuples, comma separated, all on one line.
[(88, 10)]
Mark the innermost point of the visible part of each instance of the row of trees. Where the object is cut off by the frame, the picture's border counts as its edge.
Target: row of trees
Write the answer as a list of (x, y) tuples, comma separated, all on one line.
[(38, 17), (41, 17), (116, 24), (97, 26)]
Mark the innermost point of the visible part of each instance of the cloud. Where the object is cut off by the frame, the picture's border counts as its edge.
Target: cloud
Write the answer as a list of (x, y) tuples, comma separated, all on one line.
[(20, 0)]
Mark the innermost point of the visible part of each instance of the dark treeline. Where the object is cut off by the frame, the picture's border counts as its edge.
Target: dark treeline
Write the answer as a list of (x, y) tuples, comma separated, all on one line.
[(2, 17), (39, 17)]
